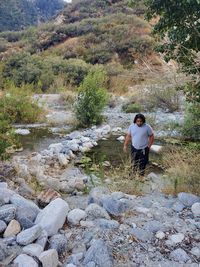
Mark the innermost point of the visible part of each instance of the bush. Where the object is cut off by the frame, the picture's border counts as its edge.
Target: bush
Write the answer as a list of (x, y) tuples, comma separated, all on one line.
[(191, 126), (182, 167), (92, 98), (18, 107), (132, 108), (166, 98)]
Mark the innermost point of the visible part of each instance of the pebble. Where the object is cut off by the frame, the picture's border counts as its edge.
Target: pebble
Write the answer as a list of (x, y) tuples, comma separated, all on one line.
[(13, 229), (177, 238)]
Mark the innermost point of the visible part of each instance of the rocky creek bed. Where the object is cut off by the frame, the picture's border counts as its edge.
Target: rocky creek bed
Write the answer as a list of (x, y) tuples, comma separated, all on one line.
[(48, 219)]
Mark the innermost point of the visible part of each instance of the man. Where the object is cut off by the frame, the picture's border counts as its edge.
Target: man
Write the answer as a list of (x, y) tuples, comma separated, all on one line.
[(142, 137)]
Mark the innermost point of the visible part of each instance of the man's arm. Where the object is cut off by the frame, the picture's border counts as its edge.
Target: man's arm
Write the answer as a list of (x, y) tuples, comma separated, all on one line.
[(126, 142), (151, 140)]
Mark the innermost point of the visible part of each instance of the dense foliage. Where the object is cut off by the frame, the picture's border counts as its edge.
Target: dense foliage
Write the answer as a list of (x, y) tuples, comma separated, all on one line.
[(17, 14), (92, 98)]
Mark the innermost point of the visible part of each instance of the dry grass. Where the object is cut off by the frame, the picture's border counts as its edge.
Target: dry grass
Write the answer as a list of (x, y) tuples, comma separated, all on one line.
[(183, 167)]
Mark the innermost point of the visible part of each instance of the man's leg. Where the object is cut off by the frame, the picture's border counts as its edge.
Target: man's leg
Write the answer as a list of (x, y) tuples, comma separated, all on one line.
[(134, 159), (144, 159)]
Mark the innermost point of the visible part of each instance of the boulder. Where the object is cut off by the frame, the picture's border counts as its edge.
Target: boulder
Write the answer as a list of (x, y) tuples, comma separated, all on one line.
[(96, 195), (75, 216), (7, 212), (21, 202), (33, 250), (113, 206), (29, 235), (13, 229), (100, 254), (24, 260), (49, 258), (59, 243), (26, 217), (188, 199), (42, 239), (94, 211), (179, 255), (196, 209), (59, 208)]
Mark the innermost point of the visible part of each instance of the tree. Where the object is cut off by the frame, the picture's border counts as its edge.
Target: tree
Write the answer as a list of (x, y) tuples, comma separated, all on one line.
[(178, 28), (92, 98)]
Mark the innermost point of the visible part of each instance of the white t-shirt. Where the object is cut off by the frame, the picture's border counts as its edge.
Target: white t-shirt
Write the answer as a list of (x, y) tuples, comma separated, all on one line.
[(140, 135)]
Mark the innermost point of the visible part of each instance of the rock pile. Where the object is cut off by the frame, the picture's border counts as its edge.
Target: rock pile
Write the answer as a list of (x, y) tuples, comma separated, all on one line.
[(107, 230)]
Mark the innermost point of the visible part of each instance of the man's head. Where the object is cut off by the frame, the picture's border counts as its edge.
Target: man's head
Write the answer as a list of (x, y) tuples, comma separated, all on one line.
[(139, 119)]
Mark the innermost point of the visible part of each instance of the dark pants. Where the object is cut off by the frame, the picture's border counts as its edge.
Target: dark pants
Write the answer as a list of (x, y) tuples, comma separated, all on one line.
[(139, 158)]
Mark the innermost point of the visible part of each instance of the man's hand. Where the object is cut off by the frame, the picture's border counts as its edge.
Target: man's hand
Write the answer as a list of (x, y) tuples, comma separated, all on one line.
[(125, 149)]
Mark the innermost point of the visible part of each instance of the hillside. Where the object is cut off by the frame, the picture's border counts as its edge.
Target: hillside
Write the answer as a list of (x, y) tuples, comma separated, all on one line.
[(17, 14), (59, 54)]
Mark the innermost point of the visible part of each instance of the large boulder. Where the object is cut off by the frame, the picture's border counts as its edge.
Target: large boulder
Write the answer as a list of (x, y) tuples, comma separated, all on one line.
[(100, 254), (29, 235), (53, 216), (188, 199)]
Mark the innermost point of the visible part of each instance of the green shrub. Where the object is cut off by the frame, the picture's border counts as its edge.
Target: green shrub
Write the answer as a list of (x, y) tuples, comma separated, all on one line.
[(132, 108), (92, 98), (18, 107), (191, 126)]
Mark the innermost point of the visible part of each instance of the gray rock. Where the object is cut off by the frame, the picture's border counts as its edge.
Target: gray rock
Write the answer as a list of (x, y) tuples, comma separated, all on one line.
[(114, 206), (96, 195), (33, 250), (196, 209), (3, 226), (100, 254), (75, 258), (29, 235), (90, 264), (21, 202), (42, 239), (75, 216), (94, 211), (188, 199), (25, 217), (179, 255), (178, 206), (142, 235), (154, 226), (70, 265), (49, 258), (177, 238), (3, 251), (24, 260), (59, 243), (107, 224), (59, 208), (196, 252), (3, 185), (7, 212)]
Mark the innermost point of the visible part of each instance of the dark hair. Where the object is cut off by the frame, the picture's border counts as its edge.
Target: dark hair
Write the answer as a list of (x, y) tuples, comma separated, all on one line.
[(139, 116)]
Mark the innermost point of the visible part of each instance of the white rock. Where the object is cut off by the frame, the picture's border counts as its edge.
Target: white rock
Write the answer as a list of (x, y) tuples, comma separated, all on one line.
[(75, 216), (49, 258), (177, 238), (121, 138), (160, 235), (87, 224), (33, 250), (24, 260), (156, 148), (22, 131), (196, 209), (53, 216), (56, 148), (142, 210), (62, 159)]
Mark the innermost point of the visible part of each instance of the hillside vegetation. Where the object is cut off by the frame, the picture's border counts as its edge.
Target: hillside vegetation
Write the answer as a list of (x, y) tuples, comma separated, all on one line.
[(17, 14), (60, 53)]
